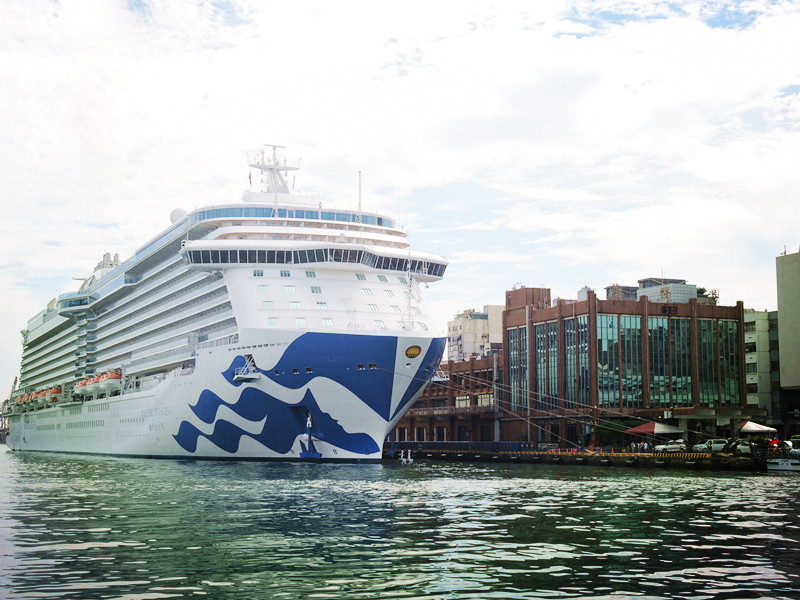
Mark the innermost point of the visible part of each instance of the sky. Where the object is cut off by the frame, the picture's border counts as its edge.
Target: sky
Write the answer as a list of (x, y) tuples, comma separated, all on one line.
[(554, 144)]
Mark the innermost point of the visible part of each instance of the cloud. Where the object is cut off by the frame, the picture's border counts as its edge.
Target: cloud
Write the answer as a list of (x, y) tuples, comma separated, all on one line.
[(559, 143)]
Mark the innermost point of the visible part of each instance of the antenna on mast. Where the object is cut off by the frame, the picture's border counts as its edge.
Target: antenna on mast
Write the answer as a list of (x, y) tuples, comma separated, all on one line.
[(359, 196)]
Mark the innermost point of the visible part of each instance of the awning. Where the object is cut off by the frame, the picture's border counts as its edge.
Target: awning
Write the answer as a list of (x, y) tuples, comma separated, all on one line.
[(750, 427), (653, 428)]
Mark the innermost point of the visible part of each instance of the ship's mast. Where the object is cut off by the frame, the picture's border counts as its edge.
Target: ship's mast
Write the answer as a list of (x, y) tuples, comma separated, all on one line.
[(273, 171)]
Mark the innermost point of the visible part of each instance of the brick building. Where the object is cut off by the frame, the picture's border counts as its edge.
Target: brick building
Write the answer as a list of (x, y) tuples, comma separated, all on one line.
[(572, 366), (568, 370)]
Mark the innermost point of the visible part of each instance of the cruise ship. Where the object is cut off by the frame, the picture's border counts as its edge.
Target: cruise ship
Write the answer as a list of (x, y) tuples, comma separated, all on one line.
[(269, 329)]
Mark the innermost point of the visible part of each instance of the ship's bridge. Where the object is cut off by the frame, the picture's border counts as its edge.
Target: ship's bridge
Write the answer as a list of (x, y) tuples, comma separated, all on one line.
[(221, 254)]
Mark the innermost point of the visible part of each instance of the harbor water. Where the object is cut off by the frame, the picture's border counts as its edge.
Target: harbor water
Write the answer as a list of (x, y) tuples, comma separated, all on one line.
[(96, 527)]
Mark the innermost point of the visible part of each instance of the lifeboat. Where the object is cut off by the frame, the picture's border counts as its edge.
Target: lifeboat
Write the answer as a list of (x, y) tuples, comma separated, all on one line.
[(111, 381), (92, 385), (54, 393), (80, 387)]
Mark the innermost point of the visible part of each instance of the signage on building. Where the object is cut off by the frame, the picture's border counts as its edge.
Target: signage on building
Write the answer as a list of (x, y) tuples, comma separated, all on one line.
[(669, 310)]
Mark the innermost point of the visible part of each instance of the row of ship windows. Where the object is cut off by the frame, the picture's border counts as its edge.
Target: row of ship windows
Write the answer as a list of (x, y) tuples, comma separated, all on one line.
[(294, 305), (328, 322), (260, 212), (85, 424), (359, 366), (312, 274), (315, 289), (297, 257)]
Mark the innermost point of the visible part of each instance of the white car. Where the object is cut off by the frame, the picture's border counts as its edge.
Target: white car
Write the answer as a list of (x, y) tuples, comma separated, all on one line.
[(710, 446), (673, 446)]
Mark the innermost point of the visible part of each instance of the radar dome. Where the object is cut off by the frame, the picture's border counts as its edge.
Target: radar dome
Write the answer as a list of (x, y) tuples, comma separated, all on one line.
[(177, 214)]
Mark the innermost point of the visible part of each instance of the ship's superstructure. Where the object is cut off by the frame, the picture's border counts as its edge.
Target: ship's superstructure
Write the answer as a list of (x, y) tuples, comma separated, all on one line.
[(269, 328)]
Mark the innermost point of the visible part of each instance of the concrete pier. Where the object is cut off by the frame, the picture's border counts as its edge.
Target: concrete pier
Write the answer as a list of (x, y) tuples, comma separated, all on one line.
[(516, 452)]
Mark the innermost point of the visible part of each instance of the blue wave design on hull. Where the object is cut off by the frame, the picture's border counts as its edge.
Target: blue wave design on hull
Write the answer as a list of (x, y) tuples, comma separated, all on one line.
[(284, 423), (336, 356), (333, 356)]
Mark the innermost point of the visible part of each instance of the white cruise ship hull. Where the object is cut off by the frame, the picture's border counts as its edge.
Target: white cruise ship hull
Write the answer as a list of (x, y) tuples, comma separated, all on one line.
[(312, 395)]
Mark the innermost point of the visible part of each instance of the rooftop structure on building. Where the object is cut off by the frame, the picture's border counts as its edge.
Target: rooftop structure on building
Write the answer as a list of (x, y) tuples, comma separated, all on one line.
[(659, 289), (616, 291)]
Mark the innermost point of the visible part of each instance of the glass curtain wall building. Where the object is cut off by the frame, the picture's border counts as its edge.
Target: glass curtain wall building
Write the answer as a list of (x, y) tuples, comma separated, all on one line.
[(619, 359)]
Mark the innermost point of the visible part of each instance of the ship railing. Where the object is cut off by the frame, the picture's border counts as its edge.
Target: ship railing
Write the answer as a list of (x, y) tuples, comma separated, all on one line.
[(141, 384), (224, 341)]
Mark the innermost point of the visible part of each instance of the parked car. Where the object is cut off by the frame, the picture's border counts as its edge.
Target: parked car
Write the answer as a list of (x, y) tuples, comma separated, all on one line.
[(710, 446), (672, 446)]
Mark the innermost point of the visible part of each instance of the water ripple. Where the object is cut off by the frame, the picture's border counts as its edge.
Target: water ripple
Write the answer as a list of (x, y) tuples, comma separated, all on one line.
[(85, 527)]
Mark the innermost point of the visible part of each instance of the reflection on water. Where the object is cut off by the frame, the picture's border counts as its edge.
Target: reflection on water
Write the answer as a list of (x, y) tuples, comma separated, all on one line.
[(89, 527)]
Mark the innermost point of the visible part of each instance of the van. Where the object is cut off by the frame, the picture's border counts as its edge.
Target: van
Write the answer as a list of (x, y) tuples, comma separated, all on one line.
[(710, 446)]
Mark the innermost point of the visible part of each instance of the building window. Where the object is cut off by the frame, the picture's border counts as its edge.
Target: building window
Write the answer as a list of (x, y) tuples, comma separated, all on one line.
[(373, 307), (658, 338), (517, 357), (752, 388), (294, 305), (266, 304), (680, 341), (416, 310), (300, 322), (423, 326), (729, 363), (552, 365), (311, 274), (322, 305), (540, 362), (263, 288), (395, 308), (570, 364), (752, 367), (402, 280), (389, 293), (709, 362), (272, 321), (366, 291), (258, 272), (380, 324), (289, 289), (361, 276), (327, 322), (382, 278), (630, 340), (315, 289), (285, 273), (583, 360), (608, 374)]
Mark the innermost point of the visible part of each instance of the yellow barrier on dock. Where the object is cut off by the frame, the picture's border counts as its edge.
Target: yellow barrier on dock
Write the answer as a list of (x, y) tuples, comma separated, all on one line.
[(676, 460)]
